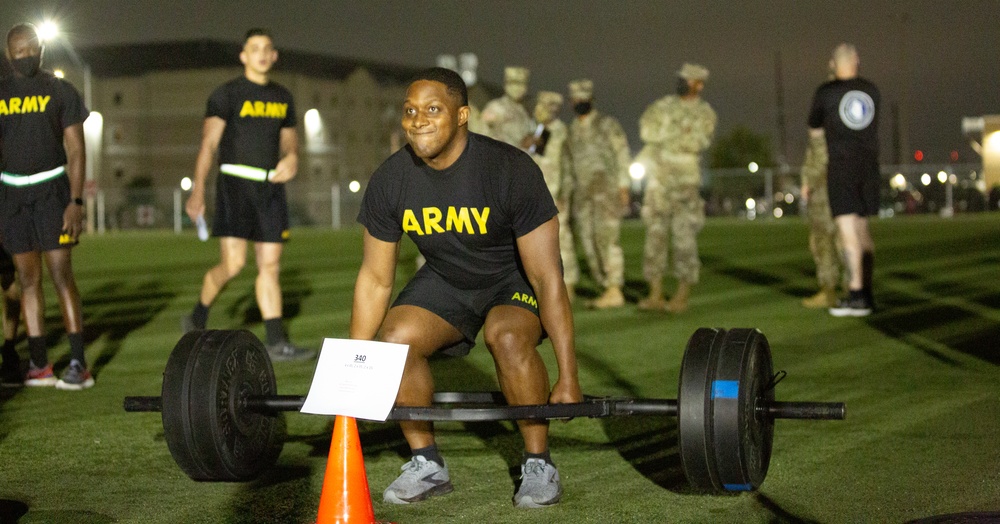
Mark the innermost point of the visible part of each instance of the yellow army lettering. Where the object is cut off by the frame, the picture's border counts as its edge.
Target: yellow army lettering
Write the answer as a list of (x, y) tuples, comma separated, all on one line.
[(263, 109), (29, 104), (455, 220), (526, 298)]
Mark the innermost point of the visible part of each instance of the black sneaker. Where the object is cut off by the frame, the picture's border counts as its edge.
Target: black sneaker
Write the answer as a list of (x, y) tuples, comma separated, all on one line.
[(286, 351), (855, 305), (11, 375)]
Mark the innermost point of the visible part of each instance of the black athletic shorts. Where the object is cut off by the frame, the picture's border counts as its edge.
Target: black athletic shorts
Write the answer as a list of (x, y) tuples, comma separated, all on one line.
[(31, 217), (853, 186), (255, 211), (6, 262), (466, 309)]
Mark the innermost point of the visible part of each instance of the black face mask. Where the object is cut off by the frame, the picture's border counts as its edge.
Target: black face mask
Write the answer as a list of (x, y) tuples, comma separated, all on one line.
[(683, 88), (582, 108), (27, 66)]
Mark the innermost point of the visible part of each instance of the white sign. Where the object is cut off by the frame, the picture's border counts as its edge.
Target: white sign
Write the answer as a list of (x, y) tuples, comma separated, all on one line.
[(356, 378)]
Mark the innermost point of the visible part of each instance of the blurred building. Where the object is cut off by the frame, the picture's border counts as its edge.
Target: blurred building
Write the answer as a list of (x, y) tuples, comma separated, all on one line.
[(152, 98)]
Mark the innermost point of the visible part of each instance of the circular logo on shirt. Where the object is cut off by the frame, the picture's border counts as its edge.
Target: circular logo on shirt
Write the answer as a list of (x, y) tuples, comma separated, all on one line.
[(857, 110)]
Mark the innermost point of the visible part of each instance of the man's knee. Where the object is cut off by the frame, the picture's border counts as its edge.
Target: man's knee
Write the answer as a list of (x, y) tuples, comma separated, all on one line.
[(232, 267), (509, 345)]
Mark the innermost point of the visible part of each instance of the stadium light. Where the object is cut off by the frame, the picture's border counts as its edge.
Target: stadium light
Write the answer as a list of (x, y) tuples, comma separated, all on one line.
[(186, 183), (354, 186), (637, 171), (48, 31), (59, 73), (753, 167)]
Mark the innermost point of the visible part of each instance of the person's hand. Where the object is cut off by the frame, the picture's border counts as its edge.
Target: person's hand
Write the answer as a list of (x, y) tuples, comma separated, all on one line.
[(285, 170), (73, 221), (195, 205), (566, 392)]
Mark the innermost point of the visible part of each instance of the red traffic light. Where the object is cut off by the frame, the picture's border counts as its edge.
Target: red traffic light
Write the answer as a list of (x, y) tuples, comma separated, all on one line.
[(918, 155)]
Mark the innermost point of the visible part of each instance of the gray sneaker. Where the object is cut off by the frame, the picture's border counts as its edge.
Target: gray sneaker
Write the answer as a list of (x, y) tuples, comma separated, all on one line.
[(75, 377), (421, 478), (540, 485), (285, 351)]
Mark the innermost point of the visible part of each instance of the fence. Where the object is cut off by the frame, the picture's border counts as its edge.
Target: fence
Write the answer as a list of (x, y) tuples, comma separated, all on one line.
[(766, 194)]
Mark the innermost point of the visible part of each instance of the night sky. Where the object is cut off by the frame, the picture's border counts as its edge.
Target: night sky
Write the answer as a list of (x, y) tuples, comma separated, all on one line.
[(938, 60)]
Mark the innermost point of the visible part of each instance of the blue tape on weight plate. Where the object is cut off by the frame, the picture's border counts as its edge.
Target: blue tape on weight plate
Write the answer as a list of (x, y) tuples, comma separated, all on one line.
[(725, 389), (737, 487)]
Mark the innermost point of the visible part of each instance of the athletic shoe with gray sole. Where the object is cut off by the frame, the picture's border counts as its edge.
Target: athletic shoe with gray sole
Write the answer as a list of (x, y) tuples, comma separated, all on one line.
[(540, 486), (76, 377), (852, 306), (421, 478), (286, 351)]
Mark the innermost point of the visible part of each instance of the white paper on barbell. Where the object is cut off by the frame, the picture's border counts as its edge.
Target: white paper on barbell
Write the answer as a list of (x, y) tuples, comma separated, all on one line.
[(356, 378)]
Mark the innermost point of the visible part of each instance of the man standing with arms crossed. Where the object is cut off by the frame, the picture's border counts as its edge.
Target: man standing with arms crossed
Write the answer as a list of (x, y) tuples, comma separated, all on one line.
[(676, 129), (600, 155), (250, 122), (845, 112), (41, 209), (478, 210)]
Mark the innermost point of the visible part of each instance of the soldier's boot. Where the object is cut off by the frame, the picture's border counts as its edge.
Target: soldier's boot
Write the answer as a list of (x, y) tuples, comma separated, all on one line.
[(612, 297), (679, 302), (824, 299), (655, 301)]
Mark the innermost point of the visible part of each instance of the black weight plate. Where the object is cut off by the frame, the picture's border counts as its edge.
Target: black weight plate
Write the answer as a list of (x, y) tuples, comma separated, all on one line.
[(742, 434), (694, 409), (209, 430)]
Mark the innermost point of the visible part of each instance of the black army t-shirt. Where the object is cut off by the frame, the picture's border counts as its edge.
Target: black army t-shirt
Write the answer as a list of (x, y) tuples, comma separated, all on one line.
[(464, 219), (254, 115), (34, 112), (848, 112)]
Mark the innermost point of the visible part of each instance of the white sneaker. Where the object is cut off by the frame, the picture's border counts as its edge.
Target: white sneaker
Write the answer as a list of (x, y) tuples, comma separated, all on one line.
[(540, 485), (421, 478)]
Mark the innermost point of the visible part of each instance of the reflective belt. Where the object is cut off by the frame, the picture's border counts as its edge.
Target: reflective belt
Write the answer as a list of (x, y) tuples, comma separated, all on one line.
[(12, 179), (248, 172)]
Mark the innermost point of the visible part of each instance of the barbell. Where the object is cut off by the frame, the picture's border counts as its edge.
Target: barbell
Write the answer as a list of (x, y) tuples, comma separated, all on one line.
[(223, 421)]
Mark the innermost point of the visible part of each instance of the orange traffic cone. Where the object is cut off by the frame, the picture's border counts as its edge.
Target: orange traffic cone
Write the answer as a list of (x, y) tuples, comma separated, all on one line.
[(345, 498)]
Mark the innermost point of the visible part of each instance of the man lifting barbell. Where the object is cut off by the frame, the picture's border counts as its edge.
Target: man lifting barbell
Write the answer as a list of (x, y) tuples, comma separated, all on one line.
[(480, 213)]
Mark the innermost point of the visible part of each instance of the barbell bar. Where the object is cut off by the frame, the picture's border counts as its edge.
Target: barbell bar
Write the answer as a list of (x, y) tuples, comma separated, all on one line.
[(223, 420)]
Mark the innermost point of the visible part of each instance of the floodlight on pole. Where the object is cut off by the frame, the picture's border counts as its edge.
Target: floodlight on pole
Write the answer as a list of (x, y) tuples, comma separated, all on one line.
[(48, 31)]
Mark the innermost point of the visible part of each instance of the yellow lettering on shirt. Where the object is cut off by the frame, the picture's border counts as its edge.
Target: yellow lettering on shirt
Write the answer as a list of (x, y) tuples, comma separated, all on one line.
[(481, 218), (15, 105), (432, 220), (456, 219), (3, 108), (410, 223), (43, 101), (259, 109), (526, 298), (29, 104)]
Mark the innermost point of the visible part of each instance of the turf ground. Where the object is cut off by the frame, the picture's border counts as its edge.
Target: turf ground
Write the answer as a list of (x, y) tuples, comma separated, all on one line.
[(920, 379)]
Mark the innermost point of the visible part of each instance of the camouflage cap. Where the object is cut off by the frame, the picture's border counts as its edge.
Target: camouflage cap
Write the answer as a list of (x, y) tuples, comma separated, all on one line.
[(582, 89), (693, 72), (550, 99), (516, 74)]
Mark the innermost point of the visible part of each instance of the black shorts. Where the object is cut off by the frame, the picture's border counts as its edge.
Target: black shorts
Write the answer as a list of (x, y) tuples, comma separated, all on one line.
[(255, 211), (853, 186), (6, 262), (31, 217), (466, 309)]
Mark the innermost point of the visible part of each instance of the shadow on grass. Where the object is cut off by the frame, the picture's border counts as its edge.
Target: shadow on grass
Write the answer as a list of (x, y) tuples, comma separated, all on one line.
[(778, 277), (294, 289), (282, 494), (117, 309), (12, 511)]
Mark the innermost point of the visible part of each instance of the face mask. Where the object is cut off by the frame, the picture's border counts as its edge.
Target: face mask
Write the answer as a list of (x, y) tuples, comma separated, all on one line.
[(27, 66), (582, 108), (683, 88)]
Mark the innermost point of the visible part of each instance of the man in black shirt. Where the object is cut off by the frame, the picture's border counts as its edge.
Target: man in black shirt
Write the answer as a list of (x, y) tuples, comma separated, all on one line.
[(41, 209), (250, 123), (845, 111), (480, 212)]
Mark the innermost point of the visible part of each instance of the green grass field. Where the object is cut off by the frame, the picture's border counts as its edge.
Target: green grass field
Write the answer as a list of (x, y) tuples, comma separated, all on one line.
[(920, 379)]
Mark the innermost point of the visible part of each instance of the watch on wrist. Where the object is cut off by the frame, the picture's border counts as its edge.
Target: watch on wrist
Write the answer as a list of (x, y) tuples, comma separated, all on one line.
[(78, 201)]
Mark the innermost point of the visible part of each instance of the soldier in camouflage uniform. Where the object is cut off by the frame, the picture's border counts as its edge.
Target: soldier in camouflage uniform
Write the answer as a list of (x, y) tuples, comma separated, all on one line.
[(504, 118), (600, 160), (675, 130), (823, 240), (548, 148)]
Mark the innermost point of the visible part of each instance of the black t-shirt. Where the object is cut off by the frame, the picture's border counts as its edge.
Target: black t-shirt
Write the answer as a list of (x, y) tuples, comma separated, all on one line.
[(464, 219), (254, 115), (848, 112), (33, 114)]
